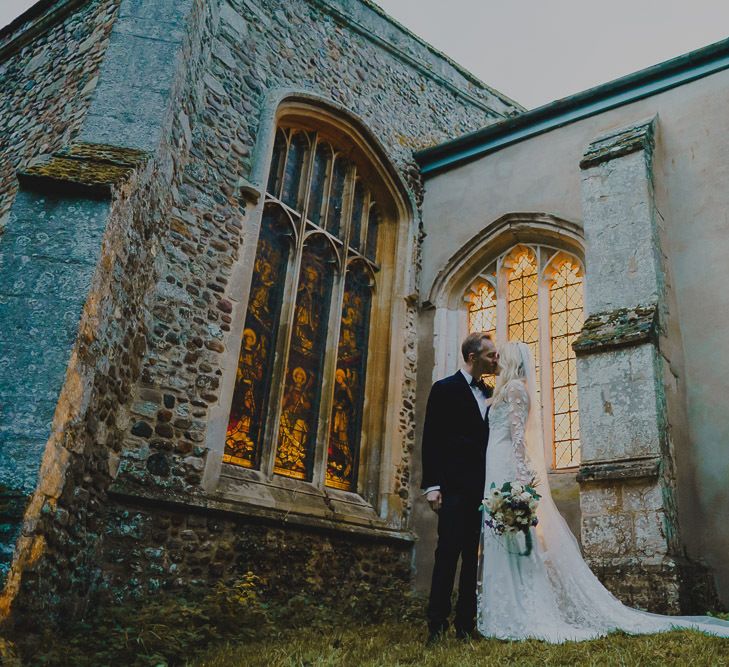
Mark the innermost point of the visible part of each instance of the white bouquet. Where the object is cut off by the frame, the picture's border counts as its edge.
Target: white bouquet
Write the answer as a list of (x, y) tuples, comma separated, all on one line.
[(512, 509)]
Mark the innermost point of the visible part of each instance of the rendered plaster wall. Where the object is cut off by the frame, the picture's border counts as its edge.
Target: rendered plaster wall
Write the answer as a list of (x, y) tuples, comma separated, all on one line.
[(543, 174)]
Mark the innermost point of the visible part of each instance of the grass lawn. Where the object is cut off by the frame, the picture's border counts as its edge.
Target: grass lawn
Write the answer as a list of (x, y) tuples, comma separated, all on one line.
[(393, 644)]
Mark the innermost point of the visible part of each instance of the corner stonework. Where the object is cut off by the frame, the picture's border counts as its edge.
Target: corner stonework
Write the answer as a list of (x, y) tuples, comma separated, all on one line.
[(630, 529)]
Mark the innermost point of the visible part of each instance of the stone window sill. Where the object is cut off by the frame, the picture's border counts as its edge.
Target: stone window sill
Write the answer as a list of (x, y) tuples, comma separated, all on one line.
[(573, 470), (292, 503), (298, 502)]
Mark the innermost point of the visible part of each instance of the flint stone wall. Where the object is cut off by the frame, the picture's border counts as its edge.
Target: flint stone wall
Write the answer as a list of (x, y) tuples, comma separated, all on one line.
[(156, 550), (47, 87), (46, 260), (142, 376), (57, 556)]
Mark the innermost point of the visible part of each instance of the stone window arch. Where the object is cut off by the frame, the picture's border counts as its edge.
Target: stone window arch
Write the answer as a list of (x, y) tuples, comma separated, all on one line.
[(533, 292), (304, 412), (521, 278)]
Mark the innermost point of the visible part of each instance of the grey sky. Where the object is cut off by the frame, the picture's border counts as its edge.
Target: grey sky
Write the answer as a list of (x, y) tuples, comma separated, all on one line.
[(537, 51)]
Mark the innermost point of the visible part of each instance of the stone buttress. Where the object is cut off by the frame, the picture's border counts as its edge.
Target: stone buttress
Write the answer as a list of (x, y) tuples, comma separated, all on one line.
[(630, 394)]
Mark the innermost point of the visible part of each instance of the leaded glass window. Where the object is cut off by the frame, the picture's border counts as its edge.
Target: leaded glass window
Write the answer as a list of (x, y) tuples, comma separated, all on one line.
[(534, 293), (244, 435), (345, 425), (482, 314), (566, 318), (312, 290), (524, 302)]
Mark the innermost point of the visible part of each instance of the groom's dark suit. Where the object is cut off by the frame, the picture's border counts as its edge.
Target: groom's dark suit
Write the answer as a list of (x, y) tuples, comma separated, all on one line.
[(454, 456)]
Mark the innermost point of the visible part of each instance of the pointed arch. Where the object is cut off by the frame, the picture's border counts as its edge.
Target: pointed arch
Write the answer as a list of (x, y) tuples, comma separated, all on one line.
[(511, 229), (520, 279), (345, 197), (312, 110)]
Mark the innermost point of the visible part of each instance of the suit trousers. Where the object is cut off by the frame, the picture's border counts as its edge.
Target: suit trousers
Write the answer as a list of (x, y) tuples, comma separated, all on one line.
[(459, 532)]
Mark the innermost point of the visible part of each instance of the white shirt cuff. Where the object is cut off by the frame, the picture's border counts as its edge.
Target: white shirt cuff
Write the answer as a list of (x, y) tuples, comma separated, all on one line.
[(431, 488)]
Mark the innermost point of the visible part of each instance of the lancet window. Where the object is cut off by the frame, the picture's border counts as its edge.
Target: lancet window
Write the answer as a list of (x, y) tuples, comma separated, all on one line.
[(300, 386), (534, 293)]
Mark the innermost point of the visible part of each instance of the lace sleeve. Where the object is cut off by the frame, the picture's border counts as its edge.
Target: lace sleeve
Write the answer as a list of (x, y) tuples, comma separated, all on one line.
[(517, 400)]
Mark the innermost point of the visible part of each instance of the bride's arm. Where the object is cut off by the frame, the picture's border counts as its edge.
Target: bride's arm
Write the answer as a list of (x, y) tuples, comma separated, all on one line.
[(517, 400)]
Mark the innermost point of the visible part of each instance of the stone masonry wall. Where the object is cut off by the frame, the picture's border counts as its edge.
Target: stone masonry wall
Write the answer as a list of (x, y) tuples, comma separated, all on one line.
[(630, 530), (146, 367), (260, 47), (47, 87), (151, 550), (58, 556)]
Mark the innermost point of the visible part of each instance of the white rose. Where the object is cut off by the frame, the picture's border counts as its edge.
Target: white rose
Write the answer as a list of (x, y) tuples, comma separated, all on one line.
[(516, 489)]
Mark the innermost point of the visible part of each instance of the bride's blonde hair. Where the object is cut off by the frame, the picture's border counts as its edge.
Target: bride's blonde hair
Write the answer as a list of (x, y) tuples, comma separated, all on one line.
[(511, 367)]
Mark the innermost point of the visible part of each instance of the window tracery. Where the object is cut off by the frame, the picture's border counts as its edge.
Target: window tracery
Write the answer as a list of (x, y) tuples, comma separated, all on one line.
[(311, 295), (534, 293)]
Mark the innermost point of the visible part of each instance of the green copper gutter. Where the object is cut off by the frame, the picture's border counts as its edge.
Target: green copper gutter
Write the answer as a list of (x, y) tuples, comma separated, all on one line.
[(651, 81)]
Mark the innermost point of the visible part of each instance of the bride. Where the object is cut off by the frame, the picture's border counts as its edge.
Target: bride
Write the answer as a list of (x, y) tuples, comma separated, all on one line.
[(551, 594)]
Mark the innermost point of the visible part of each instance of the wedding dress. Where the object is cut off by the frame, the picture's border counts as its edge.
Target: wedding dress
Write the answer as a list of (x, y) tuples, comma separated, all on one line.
[(551, 594)]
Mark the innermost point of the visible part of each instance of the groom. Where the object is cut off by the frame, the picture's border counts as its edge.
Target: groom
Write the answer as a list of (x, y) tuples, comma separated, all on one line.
[(455, 435)]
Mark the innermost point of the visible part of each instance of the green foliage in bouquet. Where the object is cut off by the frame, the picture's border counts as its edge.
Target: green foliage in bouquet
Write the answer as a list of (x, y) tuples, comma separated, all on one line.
[(512, 509)]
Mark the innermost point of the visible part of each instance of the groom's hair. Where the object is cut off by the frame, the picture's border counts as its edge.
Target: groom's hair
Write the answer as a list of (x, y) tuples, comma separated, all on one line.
[(473, 343)]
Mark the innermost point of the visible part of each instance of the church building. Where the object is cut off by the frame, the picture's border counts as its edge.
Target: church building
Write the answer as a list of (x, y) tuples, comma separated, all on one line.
[(239, 241)]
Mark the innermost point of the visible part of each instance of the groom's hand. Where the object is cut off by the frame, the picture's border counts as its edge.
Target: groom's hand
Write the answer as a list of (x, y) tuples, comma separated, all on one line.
[(435, 500)]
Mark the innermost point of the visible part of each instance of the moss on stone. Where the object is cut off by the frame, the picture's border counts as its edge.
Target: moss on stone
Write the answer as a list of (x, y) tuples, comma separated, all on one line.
[(129, 157), (617, 328), (96, 167)]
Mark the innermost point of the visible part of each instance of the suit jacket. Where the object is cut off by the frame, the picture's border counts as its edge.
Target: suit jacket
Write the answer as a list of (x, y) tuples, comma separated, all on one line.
[(454, 439)]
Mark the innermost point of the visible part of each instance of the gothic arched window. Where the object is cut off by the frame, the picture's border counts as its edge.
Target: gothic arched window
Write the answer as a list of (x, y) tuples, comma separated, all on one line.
[(534, 293), (297, 406)]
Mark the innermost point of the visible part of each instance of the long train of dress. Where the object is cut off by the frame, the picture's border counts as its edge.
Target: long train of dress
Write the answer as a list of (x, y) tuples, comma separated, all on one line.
[(551, 594)]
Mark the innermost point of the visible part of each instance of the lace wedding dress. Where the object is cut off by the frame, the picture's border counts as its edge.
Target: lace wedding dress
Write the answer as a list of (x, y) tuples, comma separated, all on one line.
[(551, 594)]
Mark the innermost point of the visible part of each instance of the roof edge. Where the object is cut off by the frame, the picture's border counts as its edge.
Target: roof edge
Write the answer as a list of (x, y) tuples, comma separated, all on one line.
[(619, 92)]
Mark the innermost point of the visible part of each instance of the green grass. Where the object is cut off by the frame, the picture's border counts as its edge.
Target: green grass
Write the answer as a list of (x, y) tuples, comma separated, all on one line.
[(395, 644)]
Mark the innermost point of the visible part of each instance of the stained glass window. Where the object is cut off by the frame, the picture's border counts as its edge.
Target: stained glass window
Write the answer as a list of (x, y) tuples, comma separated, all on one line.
[(520, 272), (336, 195), (300, 402), (322, 163), (372, 225), (346, 417), (482, 310), (357, 210), (293, 171), (244, 433), (482, 316), (566, 319), (317, 199), (277, 163)]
